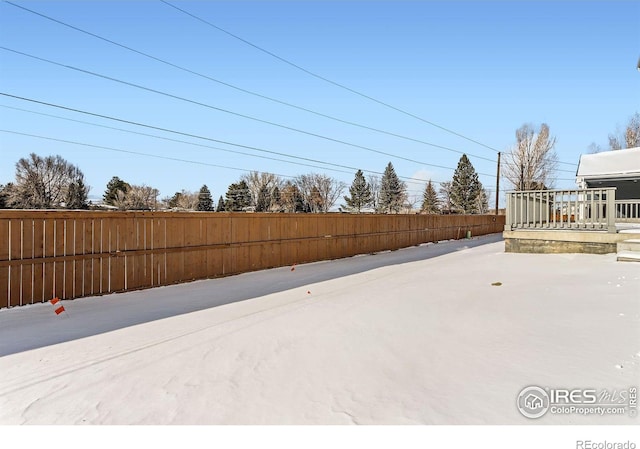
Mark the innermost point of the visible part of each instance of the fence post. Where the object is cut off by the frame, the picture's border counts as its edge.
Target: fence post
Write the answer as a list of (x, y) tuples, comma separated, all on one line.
[(611, 209), (509, 212)]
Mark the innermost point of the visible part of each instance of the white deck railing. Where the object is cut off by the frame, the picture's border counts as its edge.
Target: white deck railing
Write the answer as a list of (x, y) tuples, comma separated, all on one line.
[(627, 211), (588, 209)]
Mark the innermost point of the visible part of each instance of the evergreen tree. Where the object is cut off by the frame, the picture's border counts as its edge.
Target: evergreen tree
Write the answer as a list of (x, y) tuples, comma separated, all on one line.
[(238, 197), (263, 202), (77, 195), (430, 200), (111, 194), (176, 200), (360, 193), (465, 187), (291, 198), (392, 191), (5, 195), (205, 202), (220, 207), (276, 202)]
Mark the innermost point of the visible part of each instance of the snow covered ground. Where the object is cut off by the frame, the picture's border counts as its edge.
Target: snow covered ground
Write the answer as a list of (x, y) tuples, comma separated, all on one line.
[(416, 336)]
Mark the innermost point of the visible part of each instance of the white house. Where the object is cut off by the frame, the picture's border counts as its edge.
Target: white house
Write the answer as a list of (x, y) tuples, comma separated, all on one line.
[(619, 169)]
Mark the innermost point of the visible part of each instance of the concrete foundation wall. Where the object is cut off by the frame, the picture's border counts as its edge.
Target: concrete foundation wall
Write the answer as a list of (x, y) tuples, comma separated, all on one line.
[(512, 245), (550, 242)]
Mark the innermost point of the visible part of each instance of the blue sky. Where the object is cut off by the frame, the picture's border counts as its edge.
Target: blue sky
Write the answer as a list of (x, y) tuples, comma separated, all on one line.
[(481, 69)]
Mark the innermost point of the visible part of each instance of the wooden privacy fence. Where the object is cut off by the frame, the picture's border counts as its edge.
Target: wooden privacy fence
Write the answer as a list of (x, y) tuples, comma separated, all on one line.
[(69, 254)]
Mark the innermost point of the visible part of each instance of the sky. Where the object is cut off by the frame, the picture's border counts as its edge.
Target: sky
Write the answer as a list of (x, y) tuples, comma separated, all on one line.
[(458, 75)]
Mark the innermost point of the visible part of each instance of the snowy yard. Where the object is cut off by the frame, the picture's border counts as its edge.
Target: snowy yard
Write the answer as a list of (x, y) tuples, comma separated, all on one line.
[(416, 336)]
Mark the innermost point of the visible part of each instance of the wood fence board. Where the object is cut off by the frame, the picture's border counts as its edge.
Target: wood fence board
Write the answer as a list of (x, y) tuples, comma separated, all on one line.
[(48, 250), (27, 280), (15, 273), (4, 286), (175, 260), (67, 266), (4, 255)]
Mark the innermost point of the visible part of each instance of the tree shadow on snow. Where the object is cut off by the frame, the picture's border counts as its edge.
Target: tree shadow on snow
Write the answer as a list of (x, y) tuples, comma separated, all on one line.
[(36, 326)]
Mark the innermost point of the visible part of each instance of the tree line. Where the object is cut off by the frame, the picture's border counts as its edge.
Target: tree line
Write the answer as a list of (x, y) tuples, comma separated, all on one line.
[(53, 183)]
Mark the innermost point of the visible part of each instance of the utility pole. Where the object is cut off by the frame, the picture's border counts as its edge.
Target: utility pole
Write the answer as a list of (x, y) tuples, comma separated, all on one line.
[(498, 183)]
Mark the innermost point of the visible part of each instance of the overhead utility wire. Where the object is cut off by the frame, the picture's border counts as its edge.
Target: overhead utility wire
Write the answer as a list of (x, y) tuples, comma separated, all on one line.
[(205, 105), (320, 77), (327, 80), (246, 91), (158, 128), (339, 166), (168, 138), (138, 153), (407, 178)]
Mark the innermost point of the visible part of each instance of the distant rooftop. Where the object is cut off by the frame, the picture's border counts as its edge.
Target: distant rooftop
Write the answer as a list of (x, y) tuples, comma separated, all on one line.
[(610, 164)]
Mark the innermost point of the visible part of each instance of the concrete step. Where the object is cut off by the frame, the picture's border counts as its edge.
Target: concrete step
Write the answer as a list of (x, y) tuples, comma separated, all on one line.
[(628, 245), (628, 256)]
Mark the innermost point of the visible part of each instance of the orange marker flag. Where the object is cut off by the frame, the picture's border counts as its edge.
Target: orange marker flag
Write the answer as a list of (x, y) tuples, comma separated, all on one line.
[(59, 309)]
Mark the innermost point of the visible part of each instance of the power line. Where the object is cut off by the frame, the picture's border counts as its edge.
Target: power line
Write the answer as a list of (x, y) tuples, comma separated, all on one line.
[(338, 169), (205, 105), (210, 139), (119, 150), (138, 153), (246, 91), (327, 80), (168, 138)]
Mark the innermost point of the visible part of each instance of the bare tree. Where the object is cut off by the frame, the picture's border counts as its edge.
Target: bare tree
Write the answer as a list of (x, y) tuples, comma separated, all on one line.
[(531, 163), (261, 186), (183, 200), (140, 197), (319, 192), (445, 196), (632, 133), (482, 201), (619, 140), (188, 200), (49, 182), (330, 191), (594, 148), (614, 142), (119, 199), (410, 204)]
